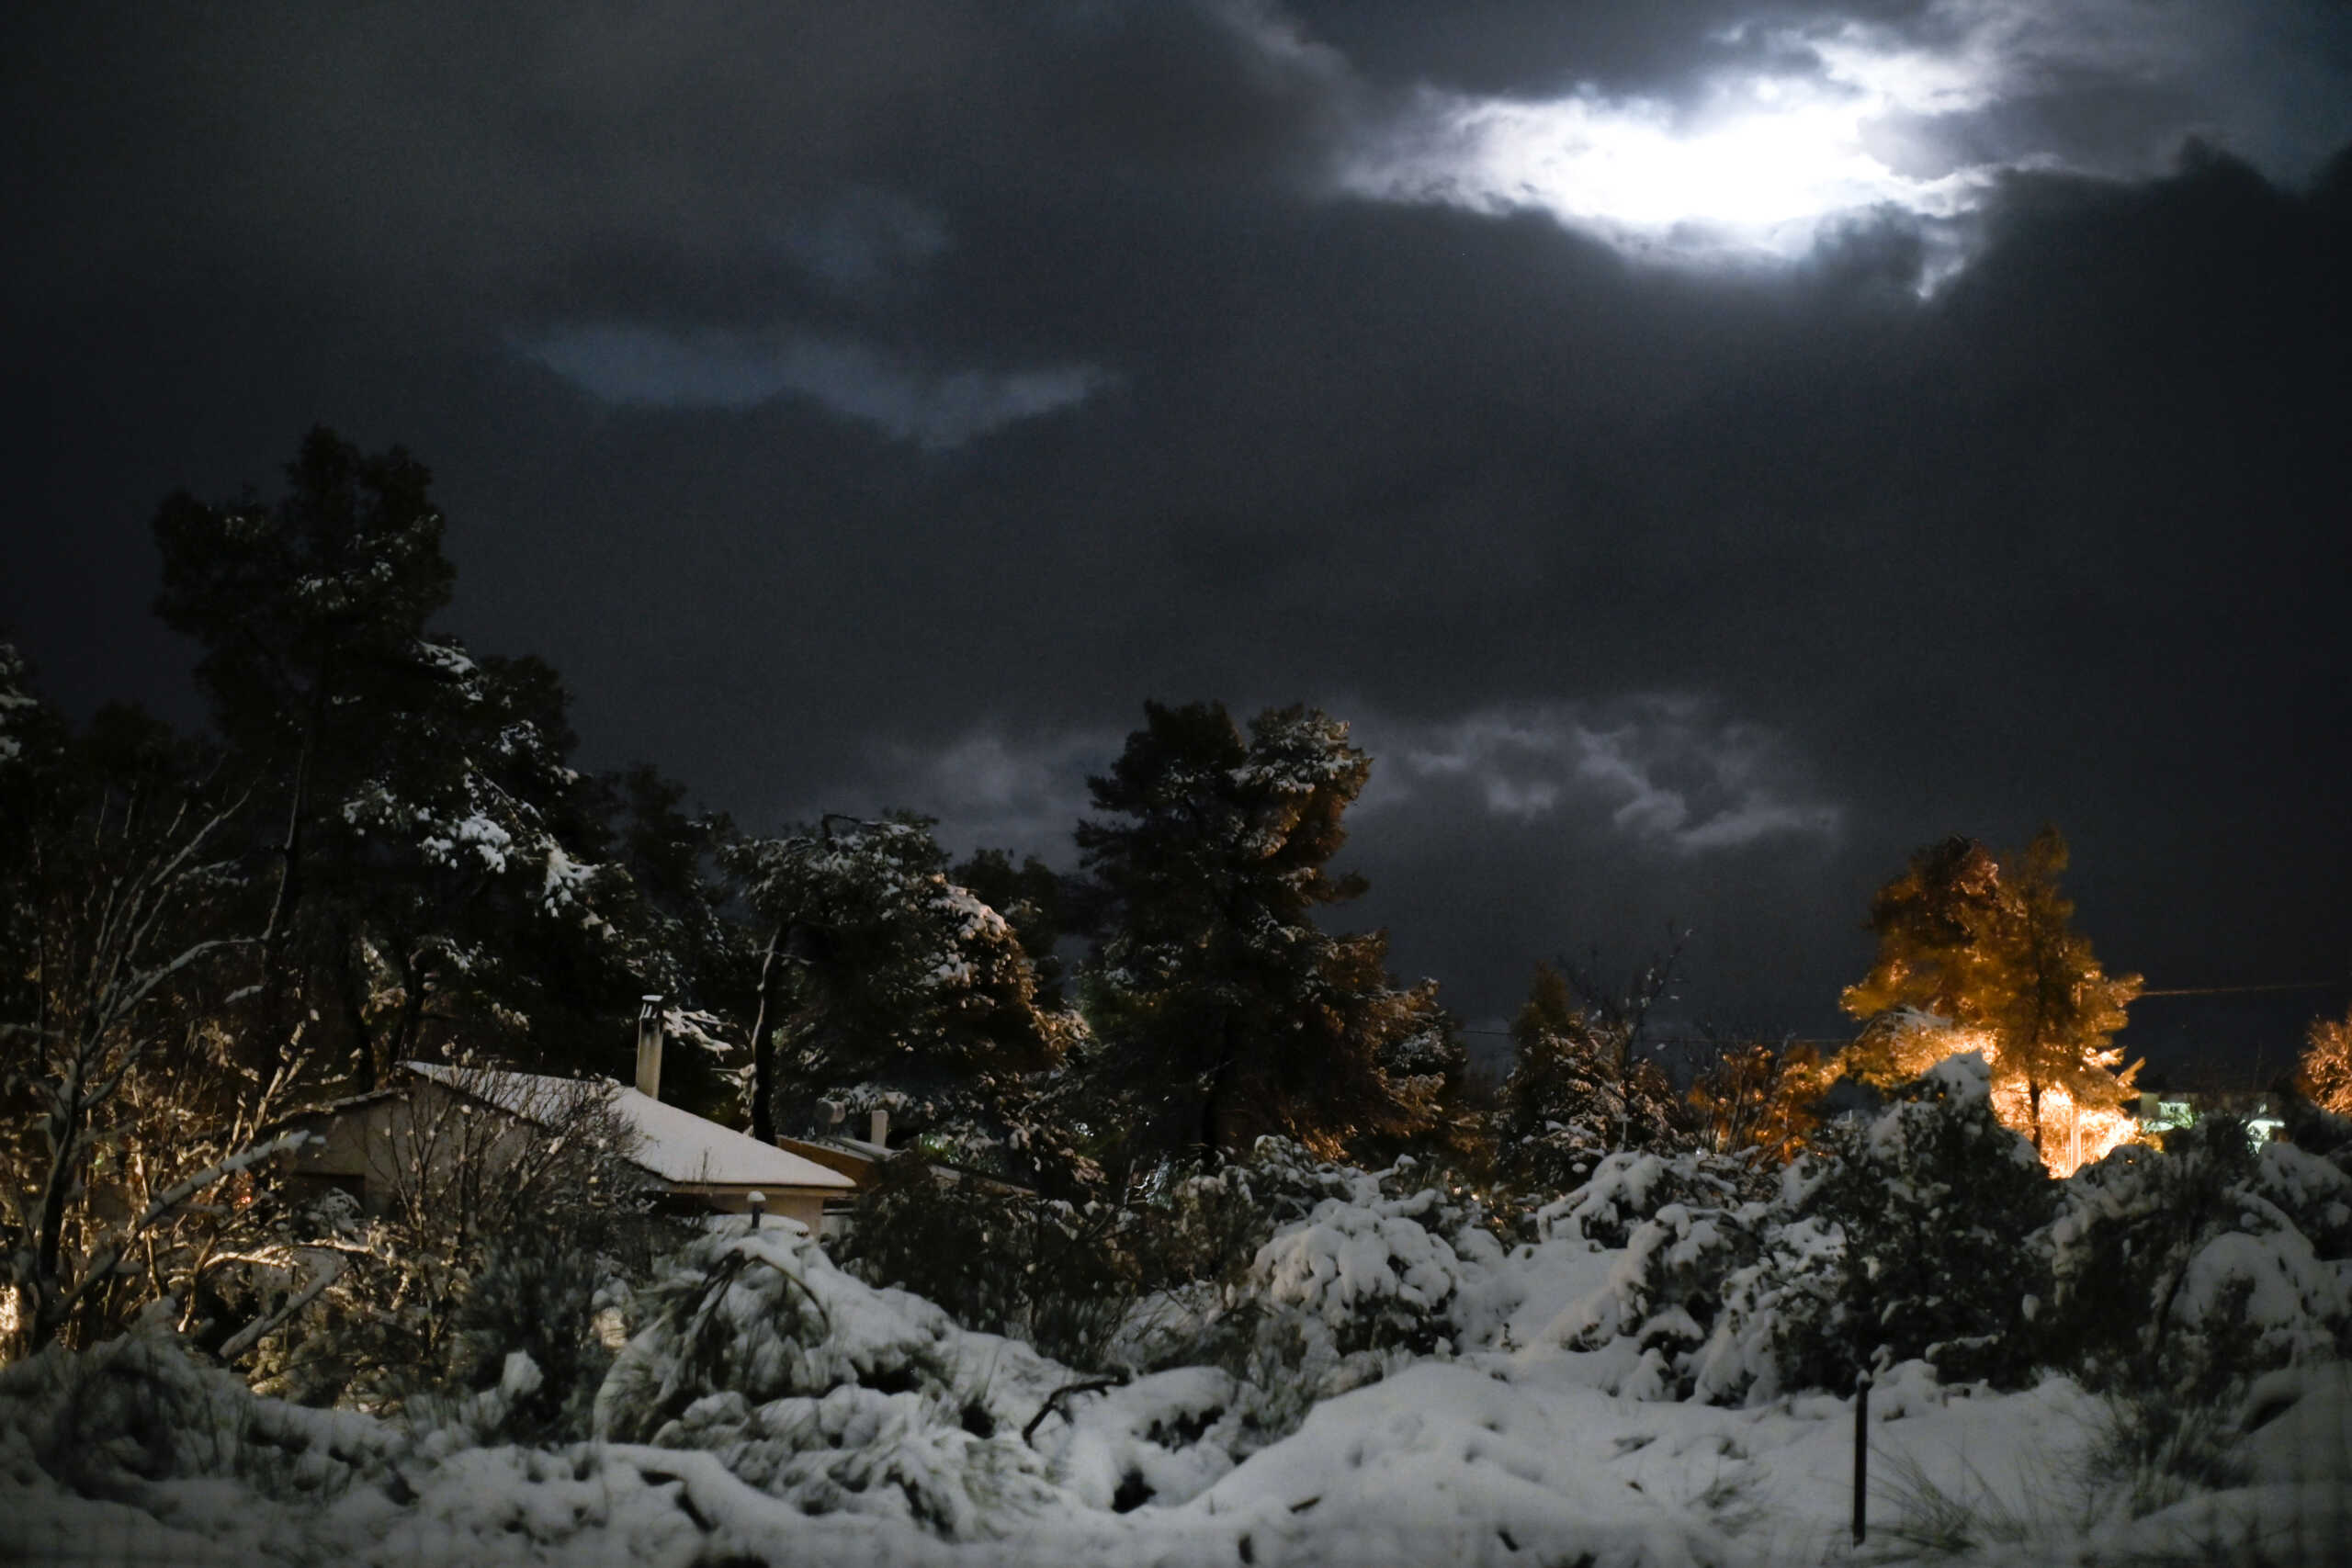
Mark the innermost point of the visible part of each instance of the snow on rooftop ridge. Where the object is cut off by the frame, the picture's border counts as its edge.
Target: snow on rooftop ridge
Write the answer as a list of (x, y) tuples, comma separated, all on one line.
[(673, 1144)]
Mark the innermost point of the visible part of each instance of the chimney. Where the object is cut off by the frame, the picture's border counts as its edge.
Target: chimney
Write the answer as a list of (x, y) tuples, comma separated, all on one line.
[(881, 1128), (648, 1048)]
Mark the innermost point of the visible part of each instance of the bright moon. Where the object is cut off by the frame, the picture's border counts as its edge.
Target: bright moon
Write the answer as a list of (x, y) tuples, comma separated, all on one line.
[(1754, 169)]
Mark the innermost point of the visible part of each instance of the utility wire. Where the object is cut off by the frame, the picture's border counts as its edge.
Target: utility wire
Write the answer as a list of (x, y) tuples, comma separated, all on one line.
[(2241, 991), (2171, 991)]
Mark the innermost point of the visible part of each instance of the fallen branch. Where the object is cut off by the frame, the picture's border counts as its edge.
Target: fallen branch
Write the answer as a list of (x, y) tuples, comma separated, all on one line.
[(1054, 1400)]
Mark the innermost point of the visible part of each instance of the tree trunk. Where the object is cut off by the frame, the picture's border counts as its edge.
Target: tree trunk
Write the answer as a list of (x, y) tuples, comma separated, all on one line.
[(352, 989), (764, 1049), (290, 852), (1213, 1100), (402, 1040), (48, 1301)]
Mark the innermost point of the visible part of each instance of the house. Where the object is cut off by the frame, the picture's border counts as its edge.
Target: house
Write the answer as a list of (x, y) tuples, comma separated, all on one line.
[(432, 1120), (860, 1159), (2159, 1112)]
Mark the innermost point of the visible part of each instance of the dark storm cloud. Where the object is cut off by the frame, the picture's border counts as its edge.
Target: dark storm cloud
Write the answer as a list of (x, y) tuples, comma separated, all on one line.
[(870, 405), (625, 364)]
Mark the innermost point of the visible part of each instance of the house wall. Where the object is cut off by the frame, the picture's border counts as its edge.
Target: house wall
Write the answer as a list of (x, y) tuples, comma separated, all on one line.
[(805, 1204), (428, 1134), (423, 1136), (858, 1168)]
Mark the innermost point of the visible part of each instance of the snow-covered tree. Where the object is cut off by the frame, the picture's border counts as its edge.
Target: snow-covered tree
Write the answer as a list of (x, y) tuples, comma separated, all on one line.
[(472, 900), (1932, 1206), (310, 611), (1034, 900), (887, 986), (1225, 1011), (440, 871), (1577, 1092)]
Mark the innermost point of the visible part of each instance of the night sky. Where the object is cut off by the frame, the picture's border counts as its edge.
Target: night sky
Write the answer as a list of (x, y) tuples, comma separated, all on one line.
[(1707, 449)]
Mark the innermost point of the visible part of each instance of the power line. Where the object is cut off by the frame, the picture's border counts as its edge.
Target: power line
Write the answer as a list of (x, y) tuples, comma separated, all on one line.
[(2241, 991), (2170, 991)]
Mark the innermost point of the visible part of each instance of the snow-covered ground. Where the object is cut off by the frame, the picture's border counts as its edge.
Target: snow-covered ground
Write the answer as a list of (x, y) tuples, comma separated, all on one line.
[(786, 1413)]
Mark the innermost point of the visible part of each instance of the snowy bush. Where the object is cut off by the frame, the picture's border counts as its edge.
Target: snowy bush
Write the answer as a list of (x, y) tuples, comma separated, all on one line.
[(1367, 1271), (1628, 1188), (1057, 1275), (2190, 1268), (1666, 1292), (118, 1420), (1190, 1228), (1936, 1204), (1929, 1232), (814, 1387), (1905, 1235)]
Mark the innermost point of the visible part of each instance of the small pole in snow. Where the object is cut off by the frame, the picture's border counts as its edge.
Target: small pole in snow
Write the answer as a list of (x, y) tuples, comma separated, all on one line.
[(1861, 1449), (759, 1202)]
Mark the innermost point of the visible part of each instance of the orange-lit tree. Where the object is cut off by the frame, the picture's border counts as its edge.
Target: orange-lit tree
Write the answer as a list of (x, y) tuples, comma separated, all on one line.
[(1987, 942), (1760, 1095), (2327, 1071)]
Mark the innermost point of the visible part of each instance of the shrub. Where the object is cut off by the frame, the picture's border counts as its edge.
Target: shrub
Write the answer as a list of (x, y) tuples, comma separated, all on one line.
[(2183, 1271), (490, 1244), (1910, 1235), (1935, 1204), (1628, 1189), (1057, 1275), (116, 1420), (820, 1390)]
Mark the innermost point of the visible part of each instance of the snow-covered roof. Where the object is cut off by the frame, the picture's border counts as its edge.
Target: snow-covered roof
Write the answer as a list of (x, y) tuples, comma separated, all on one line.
[(676, 1145)]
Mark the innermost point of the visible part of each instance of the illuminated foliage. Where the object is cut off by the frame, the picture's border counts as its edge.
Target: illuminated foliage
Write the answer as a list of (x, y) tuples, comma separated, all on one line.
[(1757, 1095), (1986, 943), (2325, 1074)]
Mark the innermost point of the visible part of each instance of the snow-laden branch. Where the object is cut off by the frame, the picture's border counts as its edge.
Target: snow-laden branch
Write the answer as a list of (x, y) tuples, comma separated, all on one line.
[(329, 1268), (170, 1202)]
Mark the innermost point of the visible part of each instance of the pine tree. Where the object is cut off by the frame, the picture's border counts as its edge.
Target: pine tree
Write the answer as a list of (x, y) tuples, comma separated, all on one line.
[(1033, 900), (440, 867), (476, 894), (1225, 1011), (1577, 1092), (311, 613), (891, 987), (1989, 944)]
